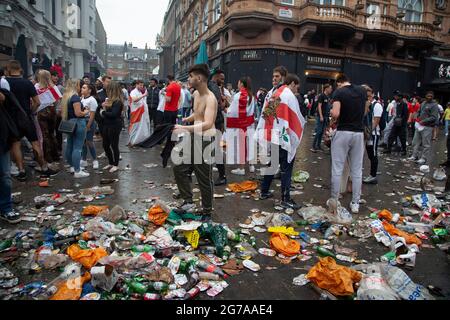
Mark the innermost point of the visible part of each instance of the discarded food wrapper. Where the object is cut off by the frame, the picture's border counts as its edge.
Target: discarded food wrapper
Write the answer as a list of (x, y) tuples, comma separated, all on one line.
[(251, 265), (439, 174), (267, 252), (300, 177), (104, 277), (425, 169), (301, 280)]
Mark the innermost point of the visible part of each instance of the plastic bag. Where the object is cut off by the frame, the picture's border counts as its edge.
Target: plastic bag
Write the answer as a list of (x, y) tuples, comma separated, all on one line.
[(427, 201), (157, 215), (311, 214), (280, 220), (99, 226), (114, 215), (282, 244), (336, 279), (300, 177), (88, 258), (410, 238), (72, 288), (374, 287), (243, 186), (93, 210), (403, 285)]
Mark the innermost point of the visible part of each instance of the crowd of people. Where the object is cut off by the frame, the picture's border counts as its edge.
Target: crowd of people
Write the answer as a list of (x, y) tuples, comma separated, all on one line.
[(350, 119)]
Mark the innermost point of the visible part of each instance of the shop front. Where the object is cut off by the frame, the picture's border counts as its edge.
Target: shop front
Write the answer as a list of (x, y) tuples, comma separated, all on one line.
[(436, 77)]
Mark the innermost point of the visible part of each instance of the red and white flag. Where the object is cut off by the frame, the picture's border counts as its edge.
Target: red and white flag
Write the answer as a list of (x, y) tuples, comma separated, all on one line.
[(286, 129), (139, 129), (48, 96)]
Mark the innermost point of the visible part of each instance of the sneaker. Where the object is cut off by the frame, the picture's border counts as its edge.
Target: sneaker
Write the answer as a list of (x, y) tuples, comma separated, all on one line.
[(50, 173), (95, 165), (215, 169), (176, 195), (108, 167), (83, 163), (22, 176), (102, 156), (114, 169), (14, 170), (354, 207), (371, 180), (81, 174), (421, 161), (238, 172), (220, 182), (11, 217), (72, 170), (265, 196), (252, 169), (187, 206), (313, 150), (290, 204), (412, 159)]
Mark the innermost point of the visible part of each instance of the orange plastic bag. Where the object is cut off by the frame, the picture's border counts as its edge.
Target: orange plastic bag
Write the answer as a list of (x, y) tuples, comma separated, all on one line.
[(338, 280), (387, 215), (282, 244), (243, 186), (157, 215), (93, 210), (71, 289), (410, 238), (88, 258)]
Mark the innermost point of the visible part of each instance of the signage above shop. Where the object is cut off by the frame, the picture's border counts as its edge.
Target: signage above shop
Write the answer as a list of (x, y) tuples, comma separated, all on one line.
[(324, 63), (5, 50), (251, 55), (436, 71), (444, 71), (286, 13)]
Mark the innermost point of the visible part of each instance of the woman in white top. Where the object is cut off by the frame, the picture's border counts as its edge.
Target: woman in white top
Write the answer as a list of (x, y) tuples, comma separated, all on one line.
[(89, 101)]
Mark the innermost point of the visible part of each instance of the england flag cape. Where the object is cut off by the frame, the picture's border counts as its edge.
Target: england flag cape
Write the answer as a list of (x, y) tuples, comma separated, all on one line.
[(47, 96), (139, 129), (286, 129), (240, 129)]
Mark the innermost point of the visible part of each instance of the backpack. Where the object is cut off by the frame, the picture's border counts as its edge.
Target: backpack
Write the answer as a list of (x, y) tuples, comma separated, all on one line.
[(383, 120)]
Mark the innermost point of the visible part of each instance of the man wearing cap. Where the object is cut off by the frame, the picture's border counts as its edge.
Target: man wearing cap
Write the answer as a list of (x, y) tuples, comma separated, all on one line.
[(153, 100), (400, 123)]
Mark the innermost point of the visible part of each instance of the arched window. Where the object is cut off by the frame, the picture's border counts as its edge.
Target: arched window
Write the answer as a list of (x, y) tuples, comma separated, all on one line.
[(196, 33), (217, 10), (205, 20), (413, 10)]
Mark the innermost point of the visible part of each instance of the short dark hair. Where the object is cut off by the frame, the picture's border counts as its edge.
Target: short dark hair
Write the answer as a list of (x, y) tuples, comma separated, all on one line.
[(86, 76), (325, 87), (139, 82), (281, 70), (154, 79), (218, 71), (342, 78), (291, 78), (14, 65), (170, 77), (429, 92), (106, 77), (201, 69)]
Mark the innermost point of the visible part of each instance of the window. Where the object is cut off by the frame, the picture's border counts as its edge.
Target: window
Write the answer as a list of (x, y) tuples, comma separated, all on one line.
[(288, 35), (288, 2), (196, 33), (217, 10), (205, 17), (119, 65), (412, 8), (373, 9)]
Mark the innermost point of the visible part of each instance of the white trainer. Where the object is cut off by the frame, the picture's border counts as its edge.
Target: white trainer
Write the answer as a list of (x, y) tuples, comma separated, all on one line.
[(95, 165), (81, 174), (114, 169), (238, 172)]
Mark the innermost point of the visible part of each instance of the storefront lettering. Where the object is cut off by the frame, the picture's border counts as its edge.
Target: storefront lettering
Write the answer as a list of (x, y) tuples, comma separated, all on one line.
[(325, 61), (249, 55)]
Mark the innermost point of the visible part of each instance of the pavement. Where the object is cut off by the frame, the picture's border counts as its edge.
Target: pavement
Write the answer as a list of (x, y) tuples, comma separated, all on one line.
[(432, 266)]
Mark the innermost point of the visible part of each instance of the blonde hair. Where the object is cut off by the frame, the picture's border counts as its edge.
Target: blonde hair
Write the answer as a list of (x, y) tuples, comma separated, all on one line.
[(114, 93), (44, 79), (71, 89)]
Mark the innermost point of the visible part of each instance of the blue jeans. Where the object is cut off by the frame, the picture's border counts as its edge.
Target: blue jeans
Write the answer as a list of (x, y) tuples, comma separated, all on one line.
[(5, 183), (447, 126), (320, 129), (90, 143), (286, 177), (75, 142)]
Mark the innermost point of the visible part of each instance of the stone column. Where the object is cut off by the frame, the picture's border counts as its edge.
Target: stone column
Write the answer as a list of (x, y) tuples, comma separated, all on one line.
[(78, 65)]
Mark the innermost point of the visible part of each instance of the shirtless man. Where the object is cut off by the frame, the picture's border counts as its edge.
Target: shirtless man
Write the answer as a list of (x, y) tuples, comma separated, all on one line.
[(201, 133)]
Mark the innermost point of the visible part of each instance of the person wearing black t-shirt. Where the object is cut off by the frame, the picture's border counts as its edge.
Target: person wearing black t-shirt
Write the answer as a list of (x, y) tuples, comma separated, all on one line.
[(348, 143), (24, 91), (323, 116)]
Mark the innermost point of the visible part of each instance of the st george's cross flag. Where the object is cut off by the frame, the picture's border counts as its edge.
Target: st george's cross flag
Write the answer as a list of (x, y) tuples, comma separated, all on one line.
[(48, 96), (284, 124)]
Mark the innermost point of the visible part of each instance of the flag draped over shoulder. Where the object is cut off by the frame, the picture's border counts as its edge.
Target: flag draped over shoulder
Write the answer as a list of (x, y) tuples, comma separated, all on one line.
[(139, 129), (240, 128), (282, 122), (48, 96)]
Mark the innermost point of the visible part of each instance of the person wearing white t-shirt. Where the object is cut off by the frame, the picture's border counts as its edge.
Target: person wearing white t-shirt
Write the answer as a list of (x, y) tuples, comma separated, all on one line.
[(4, 84), (89, 102), (373, 119), (160, 111)]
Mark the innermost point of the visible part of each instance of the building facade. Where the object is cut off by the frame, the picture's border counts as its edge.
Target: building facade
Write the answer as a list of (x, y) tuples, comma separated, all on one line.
[(64, 30), (168, 40), (127, 63), (389, 44)]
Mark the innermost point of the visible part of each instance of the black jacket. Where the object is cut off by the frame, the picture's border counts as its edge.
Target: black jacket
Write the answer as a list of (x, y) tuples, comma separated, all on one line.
[(402, 111), (162, 133), (10, 114), (112, 116), (153, 97)]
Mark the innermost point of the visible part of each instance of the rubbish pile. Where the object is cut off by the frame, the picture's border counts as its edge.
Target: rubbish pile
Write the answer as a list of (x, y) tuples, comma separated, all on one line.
[(110, 254)]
